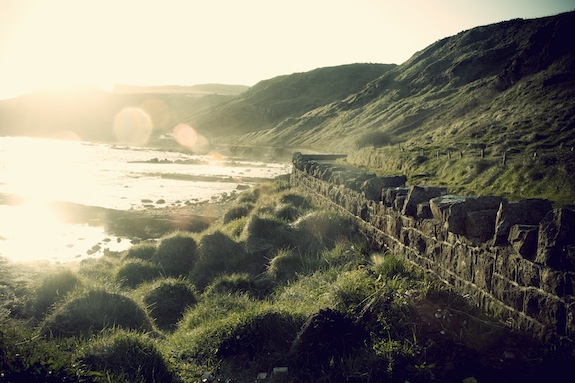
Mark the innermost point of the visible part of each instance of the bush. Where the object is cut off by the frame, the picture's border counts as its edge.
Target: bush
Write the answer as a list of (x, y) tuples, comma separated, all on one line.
[(135, 272), (53, 288), (217, 254), (176, 254), (167, 300), (94, 311), (125, 356), (144, 251)]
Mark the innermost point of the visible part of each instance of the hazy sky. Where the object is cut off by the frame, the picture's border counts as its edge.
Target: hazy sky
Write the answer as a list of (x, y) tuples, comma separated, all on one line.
[(51, 43)]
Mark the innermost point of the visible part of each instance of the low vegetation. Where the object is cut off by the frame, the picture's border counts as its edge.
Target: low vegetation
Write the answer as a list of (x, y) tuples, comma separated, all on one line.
[(262, 295)]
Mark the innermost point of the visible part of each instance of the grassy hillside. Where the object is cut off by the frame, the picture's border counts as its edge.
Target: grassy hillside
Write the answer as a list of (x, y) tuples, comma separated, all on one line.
[(271, 101), (506, 88)]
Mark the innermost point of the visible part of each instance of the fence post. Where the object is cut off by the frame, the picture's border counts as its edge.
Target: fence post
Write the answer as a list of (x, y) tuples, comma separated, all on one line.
[(504, 157), (482, 153)]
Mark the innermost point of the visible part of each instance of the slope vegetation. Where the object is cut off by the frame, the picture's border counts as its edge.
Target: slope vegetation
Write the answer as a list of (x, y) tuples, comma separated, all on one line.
[(507, 89)]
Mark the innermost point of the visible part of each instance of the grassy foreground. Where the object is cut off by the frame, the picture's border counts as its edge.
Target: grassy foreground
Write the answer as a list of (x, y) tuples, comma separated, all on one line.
[(276, 290)]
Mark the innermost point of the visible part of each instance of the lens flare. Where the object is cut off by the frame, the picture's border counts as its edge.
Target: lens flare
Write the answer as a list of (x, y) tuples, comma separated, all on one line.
[(189, 138), (132, 126)]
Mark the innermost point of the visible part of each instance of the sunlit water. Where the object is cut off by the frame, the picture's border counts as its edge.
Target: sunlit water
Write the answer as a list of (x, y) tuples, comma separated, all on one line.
[(39, 171)]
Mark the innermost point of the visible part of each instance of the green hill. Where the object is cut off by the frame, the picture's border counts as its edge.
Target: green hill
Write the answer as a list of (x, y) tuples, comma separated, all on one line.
[(271, 101), (506, 88)]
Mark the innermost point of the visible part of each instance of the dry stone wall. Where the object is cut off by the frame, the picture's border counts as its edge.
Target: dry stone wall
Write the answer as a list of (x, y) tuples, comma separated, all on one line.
[(514, 259)]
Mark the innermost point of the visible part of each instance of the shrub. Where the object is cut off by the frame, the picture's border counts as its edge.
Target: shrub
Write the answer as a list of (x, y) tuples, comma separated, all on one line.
[(135, 272), (167, 300), (217, 254), (176, 254), (53, 288), (144, 251), (125, 356), (93, 311)]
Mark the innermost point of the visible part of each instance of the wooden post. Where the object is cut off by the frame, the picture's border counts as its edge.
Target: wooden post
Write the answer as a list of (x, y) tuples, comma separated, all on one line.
[(504, 157), (482, 153)]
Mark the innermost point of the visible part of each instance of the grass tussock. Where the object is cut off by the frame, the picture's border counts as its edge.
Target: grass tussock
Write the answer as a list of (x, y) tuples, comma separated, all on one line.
[(124, 356), (176, 254), (144, 251), (166, 301), (134, 272), (53, 288), (93, 311)]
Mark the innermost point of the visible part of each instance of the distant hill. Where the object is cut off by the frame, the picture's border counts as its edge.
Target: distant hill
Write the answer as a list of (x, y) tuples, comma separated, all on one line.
[(271, 101), (89, 112), (199, 90)]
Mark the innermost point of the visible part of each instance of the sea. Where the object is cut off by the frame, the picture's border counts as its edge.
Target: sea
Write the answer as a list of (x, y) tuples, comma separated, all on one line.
[(38, 171)]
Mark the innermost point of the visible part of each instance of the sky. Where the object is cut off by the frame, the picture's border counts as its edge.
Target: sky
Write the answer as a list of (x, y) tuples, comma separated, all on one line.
[(63, 43)]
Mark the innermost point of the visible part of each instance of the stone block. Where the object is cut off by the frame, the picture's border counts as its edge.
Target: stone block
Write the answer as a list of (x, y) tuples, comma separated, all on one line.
[(424, 211), (480, 224), (419, 194), (556, 237), (525, 212), (528, 274), (389, 195), (453, 210), (523, 238)]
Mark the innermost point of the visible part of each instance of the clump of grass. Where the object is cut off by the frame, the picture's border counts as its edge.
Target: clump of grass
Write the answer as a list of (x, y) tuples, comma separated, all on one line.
[(125, 356), (286, 265), (287, 212), (176, 254), (238, 211), (235, 227), (267, 234), (135, 272), (94, 311), (239, 283), (144, 251), (217, 254), (322, 229), (26, 358), (166, 301), (295, 199), (53, 288)]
